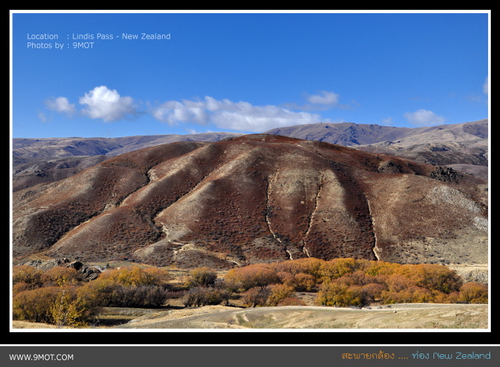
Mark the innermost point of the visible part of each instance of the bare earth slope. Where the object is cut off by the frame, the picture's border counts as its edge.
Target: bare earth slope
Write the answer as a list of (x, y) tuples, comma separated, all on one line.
[(256, 198)]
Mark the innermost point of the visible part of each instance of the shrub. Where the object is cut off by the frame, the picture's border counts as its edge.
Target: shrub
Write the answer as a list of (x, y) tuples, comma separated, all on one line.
[(304, 282), (156, 276), (310, 265), (136, 276), (473, 293), (381, 268), (202, 296), (432, 277), (27, 274), (21, 287), (278, 293), (59, 276), (440, 297), (34, 305), (251, 276), (336, 268), (202, 277), (440, 278), (113, 294), (139, 296), (398, 282), (291, 301), (421, 295), (390, 297), (256, 296), (373, 291), (74, 307), (335, 293), (106, 290), (55, 305), (155, 296), (286, 278)]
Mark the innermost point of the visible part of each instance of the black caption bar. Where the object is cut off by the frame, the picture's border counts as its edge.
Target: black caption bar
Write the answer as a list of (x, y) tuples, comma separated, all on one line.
[(220, 356)]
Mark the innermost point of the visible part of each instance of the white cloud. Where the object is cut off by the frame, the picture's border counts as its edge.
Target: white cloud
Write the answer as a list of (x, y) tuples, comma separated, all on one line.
[(173, 112), (324, 98), (225, 114), (107, 104), (423, 118), (61, 105)]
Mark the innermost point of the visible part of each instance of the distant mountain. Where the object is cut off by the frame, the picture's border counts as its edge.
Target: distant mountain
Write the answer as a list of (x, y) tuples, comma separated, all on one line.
[(344, 133), (255, 198), (24, 150), (463, 146), (47, 160), (351, 134)]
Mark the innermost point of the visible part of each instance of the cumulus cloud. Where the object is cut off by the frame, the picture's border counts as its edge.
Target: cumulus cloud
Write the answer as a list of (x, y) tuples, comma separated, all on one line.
[(107, 104), (61, 105), (424, 118), (225, 114), (173, 112)]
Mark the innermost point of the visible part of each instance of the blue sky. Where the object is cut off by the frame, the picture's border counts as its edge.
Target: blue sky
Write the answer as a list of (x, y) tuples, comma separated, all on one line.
[(244, 72)]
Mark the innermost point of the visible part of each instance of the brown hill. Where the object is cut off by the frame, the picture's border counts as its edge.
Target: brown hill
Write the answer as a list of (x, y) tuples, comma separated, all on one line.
[(255, 198)]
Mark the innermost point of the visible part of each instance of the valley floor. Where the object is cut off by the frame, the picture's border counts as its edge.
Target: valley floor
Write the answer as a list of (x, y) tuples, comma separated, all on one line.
[(398, 316)]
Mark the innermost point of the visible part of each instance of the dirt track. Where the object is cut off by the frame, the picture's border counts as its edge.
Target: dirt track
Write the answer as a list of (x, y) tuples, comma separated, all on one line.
[(403, 316)]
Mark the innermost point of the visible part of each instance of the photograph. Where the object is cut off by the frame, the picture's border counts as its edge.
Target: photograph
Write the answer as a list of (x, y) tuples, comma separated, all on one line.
[(270, 177)]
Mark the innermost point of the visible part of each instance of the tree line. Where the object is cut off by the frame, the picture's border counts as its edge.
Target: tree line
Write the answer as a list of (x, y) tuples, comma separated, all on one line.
[(60, 296)]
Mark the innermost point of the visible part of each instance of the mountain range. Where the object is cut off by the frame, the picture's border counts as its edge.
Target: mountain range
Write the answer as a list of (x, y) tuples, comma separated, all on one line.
[(463, 147), (257, 198)]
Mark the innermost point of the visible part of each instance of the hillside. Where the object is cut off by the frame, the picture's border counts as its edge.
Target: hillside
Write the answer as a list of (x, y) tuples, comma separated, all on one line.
[(464, 147), (256, 198)]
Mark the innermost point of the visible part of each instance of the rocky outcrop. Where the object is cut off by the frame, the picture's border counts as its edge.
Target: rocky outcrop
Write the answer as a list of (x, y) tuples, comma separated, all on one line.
[(87, 273), (445, 174)]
